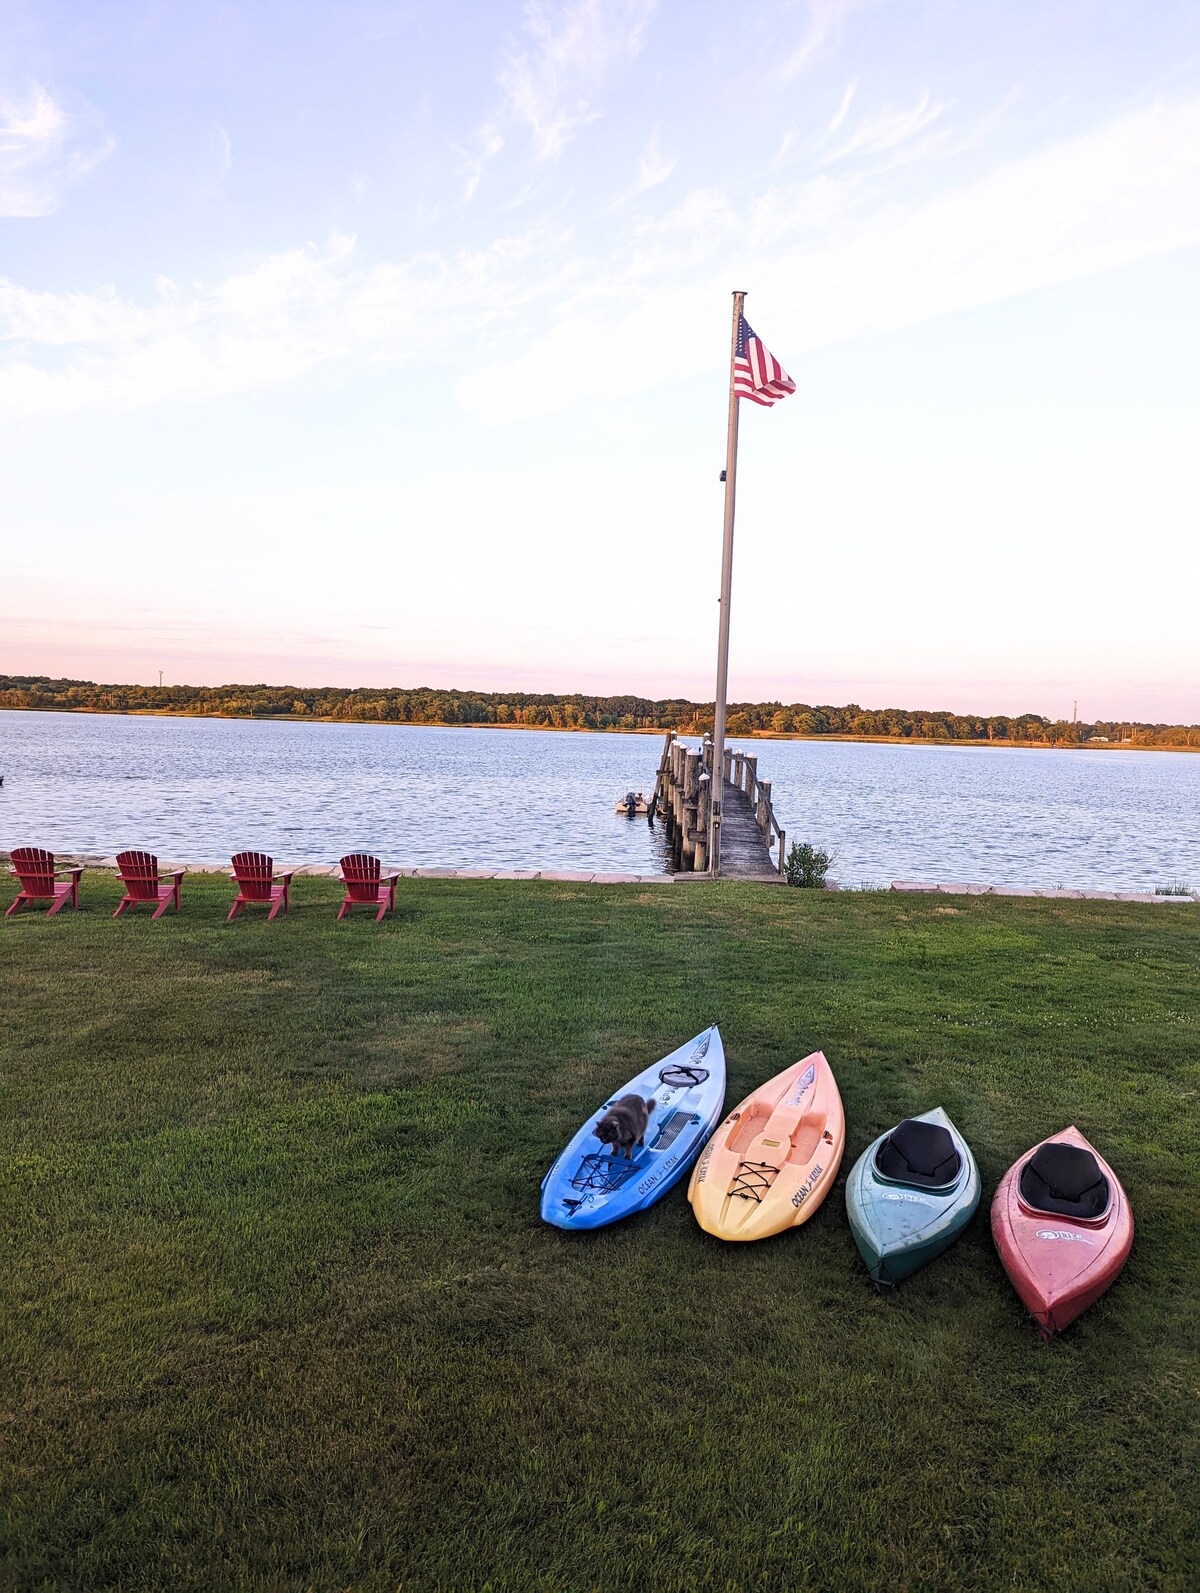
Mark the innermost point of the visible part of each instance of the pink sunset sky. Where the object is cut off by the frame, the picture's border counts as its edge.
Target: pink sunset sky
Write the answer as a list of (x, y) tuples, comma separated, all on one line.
[(388, 346)]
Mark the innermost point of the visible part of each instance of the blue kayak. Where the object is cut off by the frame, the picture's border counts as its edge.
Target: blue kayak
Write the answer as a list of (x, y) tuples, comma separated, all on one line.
[(590, 1186), (910, 1194)]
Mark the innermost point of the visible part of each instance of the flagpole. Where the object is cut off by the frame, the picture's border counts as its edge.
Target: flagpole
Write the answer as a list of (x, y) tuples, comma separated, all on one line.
[(718, 753)]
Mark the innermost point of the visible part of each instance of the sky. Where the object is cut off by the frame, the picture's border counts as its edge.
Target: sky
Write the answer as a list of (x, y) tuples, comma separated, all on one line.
[(388, 344)]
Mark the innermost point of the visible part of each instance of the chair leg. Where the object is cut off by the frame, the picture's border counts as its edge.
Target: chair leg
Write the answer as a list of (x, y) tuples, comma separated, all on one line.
[(237, 903), (343, 910), (124, 903), (274, 907), (58, 904), (21, 899), (161, 908)]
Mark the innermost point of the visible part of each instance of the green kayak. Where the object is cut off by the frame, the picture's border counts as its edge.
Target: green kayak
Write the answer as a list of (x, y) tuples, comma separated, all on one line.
[(910, 1194)]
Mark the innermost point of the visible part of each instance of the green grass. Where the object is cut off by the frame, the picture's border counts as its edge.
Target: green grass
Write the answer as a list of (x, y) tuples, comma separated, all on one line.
[(276, 1308)]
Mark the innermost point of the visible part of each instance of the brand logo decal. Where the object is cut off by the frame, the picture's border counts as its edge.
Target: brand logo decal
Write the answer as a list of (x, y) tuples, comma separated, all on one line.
[(912, 1200), (806, 1187), (647, 1184), (802, 1087), (1064, 1233)]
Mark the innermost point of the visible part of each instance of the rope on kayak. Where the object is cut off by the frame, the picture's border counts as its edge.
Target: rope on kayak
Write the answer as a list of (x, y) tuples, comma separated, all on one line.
[(753, 1179), (602, 1174)]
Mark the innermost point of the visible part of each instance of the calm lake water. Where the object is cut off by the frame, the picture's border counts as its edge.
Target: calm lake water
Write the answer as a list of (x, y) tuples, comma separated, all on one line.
[(200, 789)]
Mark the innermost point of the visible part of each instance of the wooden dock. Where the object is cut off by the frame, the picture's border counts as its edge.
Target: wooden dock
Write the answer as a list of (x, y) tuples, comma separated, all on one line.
[(750, 831)]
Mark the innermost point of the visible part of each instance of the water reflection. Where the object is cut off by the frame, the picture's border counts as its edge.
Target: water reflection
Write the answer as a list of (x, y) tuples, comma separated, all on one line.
[(199, 789)]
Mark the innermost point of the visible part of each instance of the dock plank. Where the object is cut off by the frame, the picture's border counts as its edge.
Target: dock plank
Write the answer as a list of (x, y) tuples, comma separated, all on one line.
[(744, 853)]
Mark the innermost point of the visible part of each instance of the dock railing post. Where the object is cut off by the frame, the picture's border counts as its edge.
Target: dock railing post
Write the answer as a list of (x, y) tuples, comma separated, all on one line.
[(703, 816), (659, 801), (691, 803), (764, 809)]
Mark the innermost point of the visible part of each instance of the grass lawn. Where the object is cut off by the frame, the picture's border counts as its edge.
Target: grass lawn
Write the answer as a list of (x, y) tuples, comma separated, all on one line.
[(276, 1308)]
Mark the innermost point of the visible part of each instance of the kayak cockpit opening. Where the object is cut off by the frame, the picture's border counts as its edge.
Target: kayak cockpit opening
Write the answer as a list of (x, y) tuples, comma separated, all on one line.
[(1066, 1180), (919, 1153)]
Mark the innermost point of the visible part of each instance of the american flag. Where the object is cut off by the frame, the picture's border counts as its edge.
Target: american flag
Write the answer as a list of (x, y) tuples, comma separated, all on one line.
[(757, 374)]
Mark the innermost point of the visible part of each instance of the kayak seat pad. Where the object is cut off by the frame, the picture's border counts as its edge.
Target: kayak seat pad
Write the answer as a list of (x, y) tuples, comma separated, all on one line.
[(1064, 1179), (919, 1153)]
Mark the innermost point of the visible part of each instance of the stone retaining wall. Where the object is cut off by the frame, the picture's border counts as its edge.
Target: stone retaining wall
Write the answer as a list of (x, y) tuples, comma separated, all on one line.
[(1059, 894)]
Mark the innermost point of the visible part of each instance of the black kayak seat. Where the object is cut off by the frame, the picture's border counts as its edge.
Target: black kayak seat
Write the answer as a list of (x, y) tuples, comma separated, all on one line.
[(1065, 1179), (919, 1153)]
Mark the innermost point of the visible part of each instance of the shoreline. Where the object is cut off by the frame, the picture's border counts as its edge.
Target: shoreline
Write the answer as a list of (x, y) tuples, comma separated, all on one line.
[(614, 730), (95, 862)]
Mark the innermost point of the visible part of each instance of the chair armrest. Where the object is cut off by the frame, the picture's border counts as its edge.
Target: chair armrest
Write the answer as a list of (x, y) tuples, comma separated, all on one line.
[(75, 873), (390, 879), (284, 877), (177, 874)]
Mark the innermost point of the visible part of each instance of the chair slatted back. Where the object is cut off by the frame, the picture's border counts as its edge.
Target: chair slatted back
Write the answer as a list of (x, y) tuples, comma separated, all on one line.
[(255, 873), (139, 875), (34, 867), (360, 876)]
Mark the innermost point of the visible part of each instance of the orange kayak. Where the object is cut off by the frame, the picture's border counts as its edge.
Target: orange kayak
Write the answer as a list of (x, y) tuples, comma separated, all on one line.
[(773, 1160)]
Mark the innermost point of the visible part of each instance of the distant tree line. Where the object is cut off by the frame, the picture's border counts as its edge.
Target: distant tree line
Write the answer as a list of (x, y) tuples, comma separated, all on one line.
[(426, 705)]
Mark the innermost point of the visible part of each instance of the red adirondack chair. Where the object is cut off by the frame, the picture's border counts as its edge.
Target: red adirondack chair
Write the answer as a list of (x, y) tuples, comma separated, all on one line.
[(365, 884), (140, 877), (35, 869), (257, 882)]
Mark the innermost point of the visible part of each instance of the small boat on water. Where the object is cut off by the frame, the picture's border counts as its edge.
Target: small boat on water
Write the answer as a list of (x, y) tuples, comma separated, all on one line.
[(773, 1160), (633, 805), (590, 1185), (1063, 1227), (910, 1194)]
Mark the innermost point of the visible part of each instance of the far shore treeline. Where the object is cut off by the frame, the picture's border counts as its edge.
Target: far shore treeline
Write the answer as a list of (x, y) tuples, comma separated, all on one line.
[(549, 711)]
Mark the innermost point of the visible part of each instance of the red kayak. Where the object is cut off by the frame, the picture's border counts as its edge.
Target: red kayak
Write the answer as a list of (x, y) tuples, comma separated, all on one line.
[(1063, 1227)]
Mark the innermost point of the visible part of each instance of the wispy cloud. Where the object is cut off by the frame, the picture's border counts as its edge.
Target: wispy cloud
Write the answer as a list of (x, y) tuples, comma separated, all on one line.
[(42, 151), (653, 168), (488, 144), (835, 259), (791, 142), (550, 78), (886, 129), (843, 109), (834, 270), (825, 19)]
